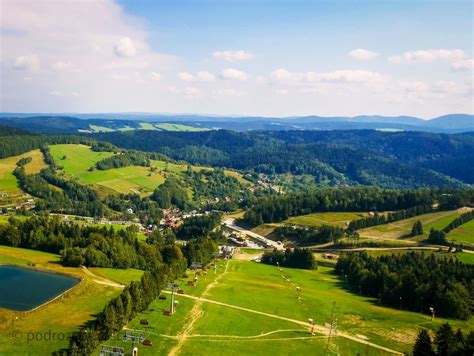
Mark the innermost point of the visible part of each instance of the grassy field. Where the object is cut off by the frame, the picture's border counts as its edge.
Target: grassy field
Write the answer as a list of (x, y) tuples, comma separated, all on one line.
[(318, 219), (77, 159), (122, 276), (202, 328), (178, 127), (8, 182), (463, 233), (31, 333), (466, 257), (399, 229)]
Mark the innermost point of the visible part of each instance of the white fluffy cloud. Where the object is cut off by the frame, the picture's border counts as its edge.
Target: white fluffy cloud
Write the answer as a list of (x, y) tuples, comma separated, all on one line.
[(201, 76), (338, 76), (30, 62), (233, 56), (125, 47), (363, 54), (233, 74), (428, 55), (463, 65), (155, 76), (205, 76), (187, 77)]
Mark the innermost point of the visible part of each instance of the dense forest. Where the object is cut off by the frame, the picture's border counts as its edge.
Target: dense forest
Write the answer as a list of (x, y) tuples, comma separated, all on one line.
[(412, 281), (397, 160)]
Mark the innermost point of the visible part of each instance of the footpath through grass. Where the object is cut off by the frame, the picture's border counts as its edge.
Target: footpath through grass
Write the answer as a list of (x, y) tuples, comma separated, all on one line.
[(202, 328)]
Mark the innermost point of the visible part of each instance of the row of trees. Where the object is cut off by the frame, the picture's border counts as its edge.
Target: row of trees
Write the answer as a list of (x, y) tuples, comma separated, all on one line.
[(380, 219), (460, 220), (412, 281), (134, 299), (309, 235), (446, 342), (296, 258), (279, 208), (124, 159)]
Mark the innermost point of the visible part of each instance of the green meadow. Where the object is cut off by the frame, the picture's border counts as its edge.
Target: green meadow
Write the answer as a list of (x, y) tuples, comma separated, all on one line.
[(202, 328), (400, 229), (8, 182), (463, 233)]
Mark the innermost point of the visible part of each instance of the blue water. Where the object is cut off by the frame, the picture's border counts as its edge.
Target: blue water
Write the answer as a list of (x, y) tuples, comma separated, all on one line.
[(24, 289)]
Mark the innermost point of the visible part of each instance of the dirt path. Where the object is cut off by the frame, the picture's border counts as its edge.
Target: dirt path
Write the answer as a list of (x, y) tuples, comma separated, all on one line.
[(318, 328), (101, 280), (195, 313)]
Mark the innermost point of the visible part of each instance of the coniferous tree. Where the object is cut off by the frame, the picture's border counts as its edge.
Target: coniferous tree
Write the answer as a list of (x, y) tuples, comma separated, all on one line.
[(423, 345)]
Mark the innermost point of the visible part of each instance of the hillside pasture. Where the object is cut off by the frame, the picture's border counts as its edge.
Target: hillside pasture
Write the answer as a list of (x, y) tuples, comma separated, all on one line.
[(401, 229), (463, 233), (341, 219), (8, 182), (202, 327)]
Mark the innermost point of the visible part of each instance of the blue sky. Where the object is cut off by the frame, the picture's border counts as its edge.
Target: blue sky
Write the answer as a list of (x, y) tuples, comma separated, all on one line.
[(274, 58)]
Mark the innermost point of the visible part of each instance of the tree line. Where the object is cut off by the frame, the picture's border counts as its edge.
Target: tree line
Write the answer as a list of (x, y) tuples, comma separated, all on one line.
[(460, 220), (280, 207), (446, 342), (412, 281), (381, 219), (309, 235), (296, 258)]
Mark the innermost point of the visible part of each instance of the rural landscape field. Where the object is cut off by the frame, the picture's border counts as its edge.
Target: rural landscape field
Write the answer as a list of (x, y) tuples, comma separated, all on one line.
[(204, 177)]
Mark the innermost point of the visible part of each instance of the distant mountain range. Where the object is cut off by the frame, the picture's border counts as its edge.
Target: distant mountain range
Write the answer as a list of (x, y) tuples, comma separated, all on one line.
[(106, 122)]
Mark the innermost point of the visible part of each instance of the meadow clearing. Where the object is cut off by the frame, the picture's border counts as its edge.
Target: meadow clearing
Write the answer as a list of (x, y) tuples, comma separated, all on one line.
[(8, 182), (76, 160), (400, 229), (234, 313)]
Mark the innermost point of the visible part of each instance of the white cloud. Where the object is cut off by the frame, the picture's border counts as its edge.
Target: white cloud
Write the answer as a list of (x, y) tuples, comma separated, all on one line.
[(187, 91), (233, 56), (155, 76), (363, 54), (283, 74), (30, 63), (185, 76), (233, 74), (204, 76), (346, 76), (125, 47), (428, 55), (338, 76), (463, 65), (281, 91), (62, 66), (56, 93), (229, 92)]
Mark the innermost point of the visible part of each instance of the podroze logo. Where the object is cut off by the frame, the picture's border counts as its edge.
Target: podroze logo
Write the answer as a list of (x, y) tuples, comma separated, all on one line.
[(39, 336)]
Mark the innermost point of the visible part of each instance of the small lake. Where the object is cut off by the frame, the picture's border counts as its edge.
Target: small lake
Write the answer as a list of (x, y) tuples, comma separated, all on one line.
[(23, 289)]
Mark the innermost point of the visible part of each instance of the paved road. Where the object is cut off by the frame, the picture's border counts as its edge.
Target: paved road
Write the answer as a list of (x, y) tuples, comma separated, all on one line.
[(319, 328), (230, 223)]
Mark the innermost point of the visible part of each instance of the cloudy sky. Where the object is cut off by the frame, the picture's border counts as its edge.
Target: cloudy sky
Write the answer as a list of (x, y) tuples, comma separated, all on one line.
[(260, 57)]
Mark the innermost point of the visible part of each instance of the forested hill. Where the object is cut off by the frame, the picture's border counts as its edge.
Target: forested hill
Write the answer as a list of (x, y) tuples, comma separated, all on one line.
[(386, 159)]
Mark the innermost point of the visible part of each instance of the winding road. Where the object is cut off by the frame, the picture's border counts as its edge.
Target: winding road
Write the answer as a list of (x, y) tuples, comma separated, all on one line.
[(230, 223)]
